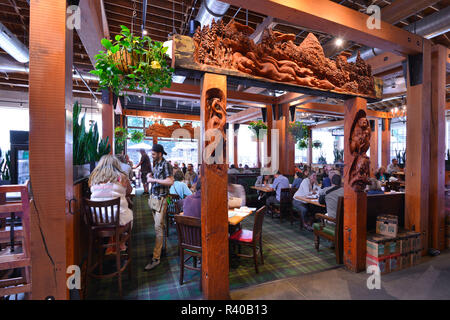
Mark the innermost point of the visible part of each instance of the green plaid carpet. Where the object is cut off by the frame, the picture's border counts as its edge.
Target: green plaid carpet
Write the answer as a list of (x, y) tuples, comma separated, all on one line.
[(287, 253)]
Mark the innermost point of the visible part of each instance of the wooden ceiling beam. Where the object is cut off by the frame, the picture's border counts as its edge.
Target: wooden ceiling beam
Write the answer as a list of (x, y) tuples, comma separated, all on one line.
[(335, 19), (163, 115), (403, 9), (245, 115), (332, 109)]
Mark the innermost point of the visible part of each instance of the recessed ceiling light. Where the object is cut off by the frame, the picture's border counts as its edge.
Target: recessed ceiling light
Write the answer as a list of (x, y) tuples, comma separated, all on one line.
[(339, 42)]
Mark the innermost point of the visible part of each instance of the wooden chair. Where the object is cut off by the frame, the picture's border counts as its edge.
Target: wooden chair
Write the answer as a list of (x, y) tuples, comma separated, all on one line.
[(10, 260), (333, 233), (251, 238), (103, 222), (190, 243)]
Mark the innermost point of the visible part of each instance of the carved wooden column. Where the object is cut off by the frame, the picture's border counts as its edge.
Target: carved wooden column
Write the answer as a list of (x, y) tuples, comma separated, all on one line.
[(437, 145), (417, 169), (108, 117), (214, 180), (357, 170), (51, 170), (374, 148), (385, 142)]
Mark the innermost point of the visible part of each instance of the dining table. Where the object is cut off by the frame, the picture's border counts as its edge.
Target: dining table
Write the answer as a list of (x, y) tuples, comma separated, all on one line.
[(237, 216), (262, 188), (313, 201)]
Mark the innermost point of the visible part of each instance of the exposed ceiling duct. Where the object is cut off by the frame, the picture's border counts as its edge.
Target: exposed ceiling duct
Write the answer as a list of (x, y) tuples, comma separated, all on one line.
[(429, 27), (211, 9), (12, 45)]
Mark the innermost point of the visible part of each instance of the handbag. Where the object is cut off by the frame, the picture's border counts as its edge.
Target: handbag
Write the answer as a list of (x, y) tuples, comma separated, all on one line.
[(322, 196)]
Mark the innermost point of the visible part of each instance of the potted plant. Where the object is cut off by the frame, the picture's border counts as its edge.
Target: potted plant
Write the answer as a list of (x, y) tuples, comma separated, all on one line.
[(137, 136), (401, 158), (338, 155), (299, 131), (302, 144), (133, 62), (317, 144), (322, 159), (256, 126), (5, 168), (120, 135)]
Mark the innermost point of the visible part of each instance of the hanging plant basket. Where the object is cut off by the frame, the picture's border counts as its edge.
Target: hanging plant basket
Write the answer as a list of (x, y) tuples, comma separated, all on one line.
[(317, 144), (132, 62), (299, 131), (257, 126)]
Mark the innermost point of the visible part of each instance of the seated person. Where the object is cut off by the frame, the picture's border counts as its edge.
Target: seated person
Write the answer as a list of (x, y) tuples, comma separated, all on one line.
[(326, 182), (381, 174), (125, 166), (233, 170), (393, 167), (330, 195), (247, 169), (279, 183), (235, 192), (179, 187), (298, 180), (192, 204), (374, 187), (305, 189)]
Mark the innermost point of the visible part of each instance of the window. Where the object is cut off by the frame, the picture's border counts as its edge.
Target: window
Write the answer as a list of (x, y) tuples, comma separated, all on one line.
[(398, 138), (247, 147)]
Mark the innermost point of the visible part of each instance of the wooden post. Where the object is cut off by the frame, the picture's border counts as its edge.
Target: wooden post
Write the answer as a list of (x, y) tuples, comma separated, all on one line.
[(374, 149), (214, 180), (108, 117), (50, 94), (437, 145), (258, 153), (385, 142), (309, 155), (355, 202), (417, 169), (235, 148), (269, 114)]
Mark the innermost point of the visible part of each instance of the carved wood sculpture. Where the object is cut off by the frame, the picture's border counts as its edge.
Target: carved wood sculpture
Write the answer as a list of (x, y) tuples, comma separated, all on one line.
[(359, 143), (160, 130), (278, 58)]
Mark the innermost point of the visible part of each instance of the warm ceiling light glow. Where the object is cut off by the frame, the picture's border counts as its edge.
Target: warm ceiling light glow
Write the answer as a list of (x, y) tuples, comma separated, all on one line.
[(144, 32), (339, 42), (99, 104)]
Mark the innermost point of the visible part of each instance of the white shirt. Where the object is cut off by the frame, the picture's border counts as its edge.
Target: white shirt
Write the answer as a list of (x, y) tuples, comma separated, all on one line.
[(304, 189)]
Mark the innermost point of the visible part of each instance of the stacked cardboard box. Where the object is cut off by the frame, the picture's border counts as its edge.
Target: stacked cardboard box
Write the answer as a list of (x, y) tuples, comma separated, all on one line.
[(392, 253)]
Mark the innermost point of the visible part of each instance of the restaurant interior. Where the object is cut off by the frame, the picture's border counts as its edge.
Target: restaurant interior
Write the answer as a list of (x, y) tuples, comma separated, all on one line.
[(306, 136)]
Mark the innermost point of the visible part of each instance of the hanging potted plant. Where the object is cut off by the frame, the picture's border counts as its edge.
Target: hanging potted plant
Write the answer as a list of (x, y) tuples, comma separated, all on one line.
[(132, 62), (299, 131), (120, 135), (137, 136), (302, 144), (256, 126), (317, 144)]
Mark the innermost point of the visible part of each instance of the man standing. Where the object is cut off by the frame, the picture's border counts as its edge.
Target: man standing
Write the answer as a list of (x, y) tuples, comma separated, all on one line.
[(393, 167), (190, 176), (161, 180), (145, 169), (280, 182)]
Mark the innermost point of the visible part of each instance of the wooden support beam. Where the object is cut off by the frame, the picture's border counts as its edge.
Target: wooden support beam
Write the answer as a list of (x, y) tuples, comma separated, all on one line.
[(245, 115), (333, 109), (91, 29), (331, 124), (108, 118), (355, 203), (163, 115), (437, 148), (384, 62), (402, 9), (51, 45), (235, 147), (309, 155), (374, 149), (417, 169), (286, 143), (385, 143), (331, 18), (214, 180), (269, 115)]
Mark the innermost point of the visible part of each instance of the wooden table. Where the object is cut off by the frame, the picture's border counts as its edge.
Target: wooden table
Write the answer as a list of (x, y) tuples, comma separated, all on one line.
[(310, 201), (263, 189), (235, 220)]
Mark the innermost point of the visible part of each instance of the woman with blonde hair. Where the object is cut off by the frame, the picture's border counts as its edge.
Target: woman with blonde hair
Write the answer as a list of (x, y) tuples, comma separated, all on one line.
[(108, 182)]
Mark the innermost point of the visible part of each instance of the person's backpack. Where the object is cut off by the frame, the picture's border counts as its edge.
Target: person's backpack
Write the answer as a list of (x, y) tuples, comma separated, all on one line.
[(322, 196)]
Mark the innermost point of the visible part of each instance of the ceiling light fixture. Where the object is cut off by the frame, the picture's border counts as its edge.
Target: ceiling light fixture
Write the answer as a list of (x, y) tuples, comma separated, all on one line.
[(339, 42), (12, 45), (144, 32)]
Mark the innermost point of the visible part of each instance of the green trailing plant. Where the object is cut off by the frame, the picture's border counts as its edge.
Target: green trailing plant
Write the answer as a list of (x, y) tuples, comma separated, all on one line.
[(317, 144), (5, 166), (302, 144), (401, 157), (86, 145), (133, 62), (137, 136), (322, 159), (300, 133), (256, 126), (120, 136), (338, 155)]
